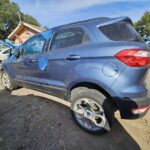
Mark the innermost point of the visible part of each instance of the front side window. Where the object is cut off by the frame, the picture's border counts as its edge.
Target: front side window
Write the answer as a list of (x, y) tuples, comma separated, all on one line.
[(35, 45), (69, 37)]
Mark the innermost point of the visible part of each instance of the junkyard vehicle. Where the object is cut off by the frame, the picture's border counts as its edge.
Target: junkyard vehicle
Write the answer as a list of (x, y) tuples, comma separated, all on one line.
[(99, 65), (6, 49), (4, 53)]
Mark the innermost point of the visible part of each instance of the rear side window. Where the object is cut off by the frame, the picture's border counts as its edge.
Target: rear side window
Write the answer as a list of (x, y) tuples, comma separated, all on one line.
[(69, 37), (120, 32)]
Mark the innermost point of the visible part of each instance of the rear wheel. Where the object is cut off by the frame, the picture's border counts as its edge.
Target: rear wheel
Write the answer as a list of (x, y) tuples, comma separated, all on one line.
[(92, 111), (7, 81)]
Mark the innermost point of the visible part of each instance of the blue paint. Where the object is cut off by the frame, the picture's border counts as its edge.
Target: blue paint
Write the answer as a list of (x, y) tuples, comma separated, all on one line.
[(42, 64)]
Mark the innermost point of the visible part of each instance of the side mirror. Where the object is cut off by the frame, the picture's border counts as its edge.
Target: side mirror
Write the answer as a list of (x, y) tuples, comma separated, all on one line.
[(10, 52), (21, 51), (17, 54)]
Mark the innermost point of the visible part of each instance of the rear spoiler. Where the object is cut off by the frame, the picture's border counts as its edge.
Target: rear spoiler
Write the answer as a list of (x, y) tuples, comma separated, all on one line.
[(115, 20)]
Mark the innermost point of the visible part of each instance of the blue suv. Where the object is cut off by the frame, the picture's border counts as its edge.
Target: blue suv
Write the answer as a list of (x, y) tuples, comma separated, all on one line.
[(99, 65)]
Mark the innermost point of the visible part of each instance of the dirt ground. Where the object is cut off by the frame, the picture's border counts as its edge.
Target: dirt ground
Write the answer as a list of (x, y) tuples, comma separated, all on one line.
[(30, 120)]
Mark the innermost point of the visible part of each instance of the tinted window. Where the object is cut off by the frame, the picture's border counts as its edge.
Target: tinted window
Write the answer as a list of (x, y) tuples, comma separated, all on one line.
[(120, 32), (69, 37), (34, 45)]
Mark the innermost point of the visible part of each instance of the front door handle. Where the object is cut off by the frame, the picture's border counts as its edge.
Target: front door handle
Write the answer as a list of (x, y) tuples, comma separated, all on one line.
[(73, 57)]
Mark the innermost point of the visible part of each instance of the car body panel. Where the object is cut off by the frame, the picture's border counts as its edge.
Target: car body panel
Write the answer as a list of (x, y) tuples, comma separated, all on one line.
[(58, 71)]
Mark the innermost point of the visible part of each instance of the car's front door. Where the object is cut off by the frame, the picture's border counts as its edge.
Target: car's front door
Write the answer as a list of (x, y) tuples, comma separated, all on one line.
[(26, 67)]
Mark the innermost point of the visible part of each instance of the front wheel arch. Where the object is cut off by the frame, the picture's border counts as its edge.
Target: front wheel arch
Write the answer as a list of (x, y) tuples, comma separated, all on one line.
[(13, 85)]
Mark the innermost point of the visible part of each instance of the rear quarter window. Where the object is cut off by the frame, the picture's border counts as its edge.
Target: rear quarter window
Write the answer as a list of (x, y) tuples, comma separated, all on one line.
[(120, 32)]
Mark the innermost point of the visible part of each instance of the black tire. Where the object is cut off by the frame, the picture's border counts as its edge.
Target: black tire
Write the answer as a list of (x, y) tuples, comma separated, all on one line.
[(11, 86), (98, 98)]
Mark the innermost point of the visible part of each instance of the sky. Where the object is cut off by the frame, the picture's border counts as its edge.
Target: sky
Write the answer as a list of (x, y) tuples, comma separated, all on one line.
[(52, 13)]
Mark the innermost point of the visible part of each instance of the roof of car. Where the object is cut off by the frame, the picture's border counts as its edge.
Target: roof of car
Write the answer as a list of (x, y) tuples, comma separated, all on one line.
[(102, 19), (98, 20)]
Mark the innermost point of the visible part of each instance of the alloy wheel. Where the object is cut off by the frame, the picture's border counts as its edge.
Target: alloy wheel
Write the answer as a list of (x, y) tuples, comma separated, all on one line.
[(5, 80), (89, 114)]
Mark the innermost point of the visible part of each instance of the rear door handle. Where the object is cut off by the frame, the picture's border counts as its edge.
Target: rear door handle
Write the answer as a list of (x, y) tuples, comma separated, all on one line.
[(73, 57), (32, 60)]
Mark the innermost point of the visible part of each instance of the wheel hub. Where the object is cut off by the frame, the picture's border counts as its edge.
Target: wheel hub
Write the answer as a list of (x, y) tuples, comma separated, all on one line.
[(91, 114), (88, 114)]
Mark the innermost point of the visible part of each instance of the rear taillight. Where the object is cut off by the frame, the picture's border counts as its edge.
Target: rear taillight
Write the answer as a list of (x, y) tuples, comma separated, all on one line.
[(134, 57), (140, 110)]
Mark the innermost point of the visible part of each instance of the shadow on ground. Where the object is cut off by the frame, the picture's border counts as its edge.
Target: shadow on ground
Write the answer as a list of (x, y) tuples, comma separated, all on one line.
[(35, 123)]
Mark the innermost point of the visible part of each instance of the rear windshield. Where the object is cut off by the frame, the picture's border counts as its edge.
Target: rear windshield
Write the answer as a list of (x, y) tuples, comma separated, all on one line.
[(120, 32)]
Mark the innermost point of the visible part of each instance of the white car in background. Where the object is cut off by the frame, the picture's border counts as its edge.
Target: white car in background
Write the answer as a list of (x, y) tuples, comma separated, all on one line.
[(4, 53), (7, 48)]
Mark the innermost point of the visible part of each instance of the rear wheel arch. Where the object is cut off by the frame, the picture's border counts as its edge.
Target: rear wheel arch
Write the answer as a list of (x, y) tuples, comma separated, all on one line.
[(95, 86), (92, 93)]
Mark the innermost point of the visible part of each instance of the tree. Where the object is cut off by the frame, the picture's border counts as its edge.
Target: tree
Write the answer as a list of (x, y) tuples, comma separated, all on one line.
[(9, 18), (143, 25), (29, 19)]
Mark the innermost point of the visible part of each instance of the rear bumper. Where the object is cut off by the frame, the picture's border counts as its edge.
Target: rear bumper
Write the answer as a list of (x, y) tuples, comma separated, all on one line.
[(133, 108)]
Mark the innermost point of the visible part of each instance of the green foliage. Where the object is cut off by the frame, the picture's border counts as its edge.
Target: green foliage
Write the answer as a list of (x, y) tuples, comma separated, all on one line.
[(29, 19), (9, 18), (143, 25)]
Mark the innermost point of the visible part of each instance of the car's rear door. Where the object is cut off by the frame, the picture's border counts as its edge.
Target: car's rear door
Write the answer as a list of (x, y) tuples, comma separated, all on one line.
[(64, 54)]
